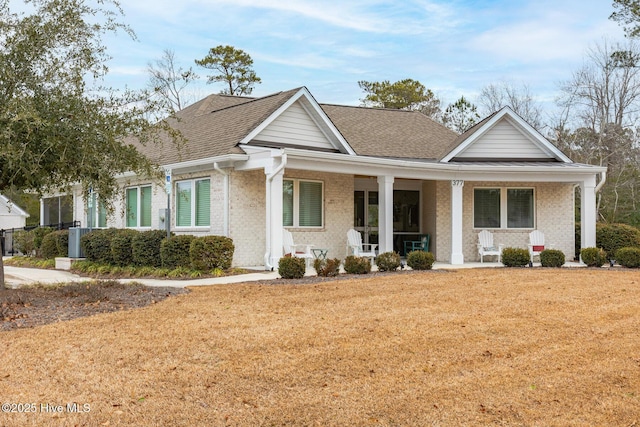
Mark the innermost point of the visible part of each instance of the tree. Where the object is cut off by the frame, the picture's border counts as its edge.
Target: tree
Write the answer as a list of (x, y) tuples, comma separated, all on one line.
[(460, 115), (405, 94), (602, 103), (168, 81), (58, 126), (627, 13), (495, 96), (235, 68)]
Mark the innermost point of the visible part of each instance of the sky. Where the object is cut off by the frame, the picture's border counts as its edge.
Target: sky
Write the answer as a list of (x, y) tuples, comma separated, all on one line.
[(453, 47)]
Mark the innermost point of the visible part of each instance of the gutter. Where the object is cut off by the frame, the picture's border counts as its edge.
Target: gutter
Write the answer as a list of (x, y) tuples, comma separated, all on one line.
[(267, 256)]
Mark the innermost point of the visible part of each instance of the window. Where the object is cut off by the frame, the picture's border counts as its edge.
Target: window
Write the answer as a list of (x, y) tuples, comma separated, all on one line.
[(302, 203), (138, 202), (503, 208), (193, 203), (96, 212)]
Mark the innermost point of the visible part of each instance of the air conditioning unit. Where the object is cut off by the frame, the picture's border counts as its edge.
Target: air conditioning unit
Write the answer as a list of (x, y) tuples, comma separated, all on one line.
[(75, 233)]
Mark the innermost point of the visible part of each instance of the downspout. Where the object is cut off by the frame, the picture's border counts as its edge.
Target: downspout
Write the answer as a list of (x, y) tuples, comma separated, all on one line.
[(225, 184), (267, 256), (603, 180)]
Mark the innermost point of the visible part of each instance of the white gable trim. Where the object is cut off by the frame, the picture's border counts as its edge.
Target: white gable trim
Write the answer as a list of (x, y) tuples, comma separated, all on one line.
[(311, 107), (15, 209), (536, 138)]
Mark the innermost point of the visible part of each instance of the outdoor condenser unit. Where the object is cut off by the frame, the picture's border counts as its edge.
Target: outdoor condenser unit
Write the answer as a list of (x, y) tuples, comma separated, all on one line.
[(75, 233)]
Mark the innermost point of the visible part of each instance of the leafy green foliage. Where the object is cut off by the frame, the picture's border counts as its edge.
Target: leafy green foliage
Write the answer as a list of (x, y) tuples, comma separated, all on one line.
[(23, 241), (404, 94), (612, 237), (552, 258), (145, 247), (593, 257), (357, 265), (327, 267), (38, 236), (628, 257), (234, 67), (461, 115), (627, 14), (388, 261), (291, 267), (515, 257), (174, 251), (420, 260), (211, 252), (121, 251), (97, 245)]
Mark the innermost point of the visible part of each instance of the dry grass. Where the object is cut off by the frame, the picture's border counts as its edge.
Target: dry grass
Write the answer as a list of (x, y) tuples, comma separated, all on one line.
[(541, 347)]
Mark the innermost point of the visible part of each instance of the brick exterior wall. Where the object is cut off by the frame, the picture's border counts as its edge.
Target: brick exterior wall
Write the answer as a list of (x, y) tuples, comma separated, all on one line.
[(554, 216)]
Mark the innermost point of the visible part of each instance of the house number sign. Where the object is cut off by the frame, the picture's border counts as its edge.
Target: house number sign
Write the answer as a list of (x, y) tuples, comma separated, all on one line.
[(457, 183)]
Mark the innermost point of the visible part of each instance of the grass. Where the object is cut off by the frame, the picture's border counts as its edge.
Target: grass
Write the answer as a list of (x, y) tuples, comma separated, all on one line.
[(517, 347)]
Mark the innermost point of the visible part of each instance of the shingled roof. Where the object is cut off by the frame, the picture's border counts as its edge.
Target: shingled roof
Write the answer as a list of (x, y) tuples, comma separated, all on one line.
[(215, 125)]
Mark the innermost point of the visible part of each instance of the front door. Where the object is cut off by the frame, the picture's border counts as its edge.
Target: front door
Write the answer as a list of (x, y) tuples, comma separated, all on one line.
[(366, 215)]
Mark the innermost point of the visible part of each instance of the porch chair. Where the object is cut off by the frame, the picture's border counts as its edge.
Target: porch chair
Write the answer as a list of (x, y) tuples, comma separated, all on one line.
[(290, 247), (536, 243), (487, 247), (356, 247), (417, 245)]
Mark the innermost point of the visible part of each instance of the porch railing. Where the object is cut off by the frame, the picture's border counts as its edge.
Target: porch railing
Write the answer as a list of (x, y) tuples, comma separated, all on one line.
[(6, 236)]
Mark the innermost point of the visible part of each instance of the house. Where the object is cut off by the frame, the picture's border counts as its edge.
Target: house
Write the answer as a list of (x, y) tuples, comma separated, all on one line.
[(11, 215), (253, 166)]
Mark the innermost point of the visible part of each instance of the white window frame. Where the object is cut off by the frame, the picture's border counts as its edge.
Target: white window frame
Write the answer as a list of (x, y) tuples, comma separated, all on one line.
[(192, 222), (138, 188), (296, 204), (504, 208), (94, 199)]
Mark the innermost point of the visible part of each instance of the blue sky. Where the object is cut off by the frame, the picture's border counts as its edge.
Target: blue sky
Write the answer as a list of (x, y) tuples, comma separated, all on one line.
[(454, 47)]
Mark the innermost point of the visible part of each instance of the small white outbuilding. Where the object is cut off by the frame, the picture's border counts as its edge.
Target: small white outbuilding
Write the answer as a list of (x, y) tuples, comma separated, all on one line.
[(11, 215)]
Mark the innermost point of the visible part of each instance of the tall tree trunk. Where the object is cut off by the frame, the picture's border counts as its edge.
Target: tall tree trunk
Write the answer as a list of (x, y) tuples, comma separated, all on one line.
[(1, 272)]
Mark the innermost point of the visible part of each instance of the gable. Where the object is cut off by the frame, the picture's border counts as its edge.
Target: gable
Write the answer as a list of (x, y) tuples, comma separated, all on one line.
[(294, 127), (504, 141), (504, 136)]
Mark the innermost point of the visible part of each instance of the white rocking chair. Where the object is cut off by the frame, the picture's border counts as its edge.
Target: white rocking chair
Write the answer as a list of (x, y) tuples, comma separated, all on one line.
[(290, 248), (356, 247), (487, 247), (536, 243)]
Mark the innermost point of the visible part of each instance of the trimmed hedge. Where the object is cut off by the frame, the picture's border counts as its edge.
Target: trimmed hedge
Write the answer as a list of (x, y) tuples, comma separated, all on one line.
[(628, 257), (388, 261), (55, 244), (97, 245), (291, 267), (327, 267), (174, 251), (515, 257), (121, 252), (211, 252), (593, 257), (357, 265), (24, 242), (612, 237), (420, 260), (552, 258), (145, 247)]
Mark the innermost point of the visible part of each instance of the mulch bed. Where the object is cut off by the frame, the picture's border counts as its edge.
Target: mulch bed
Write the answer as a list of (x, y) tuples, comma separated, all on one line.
[(27, 307)]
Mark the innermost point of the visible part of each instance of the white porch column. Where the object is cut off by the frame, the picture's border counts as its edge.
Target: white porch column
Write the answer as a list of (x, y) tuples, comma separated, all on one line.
[(273, 231), (385, 213), (588, 213), (457, 256), (42, 211)]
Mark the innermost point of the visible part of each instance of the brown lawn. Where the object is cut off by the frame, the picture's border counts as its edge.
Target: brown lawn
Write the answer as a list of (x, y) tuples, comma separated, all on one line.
[(530, 347)]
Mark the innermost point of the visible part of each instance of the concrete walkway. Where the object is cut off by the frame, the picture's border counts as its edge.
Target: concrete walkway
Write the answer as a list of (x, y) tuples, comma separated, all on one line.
[(18, 276)]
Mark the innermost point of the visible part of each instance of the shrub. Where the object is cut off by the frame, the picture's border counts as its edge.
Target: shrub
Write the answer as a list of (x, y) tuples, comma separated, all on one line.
[(357, 265), (23, 242), (174, 251), (327, 267), (420, 260), (55, 244), (291, 267), (388, 261), (628, 257), (38, 235), (211, 252), (97, 245), (145, 248), (515, 257), (552, 258), (593, 257), (612, 237), (121, 253)]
